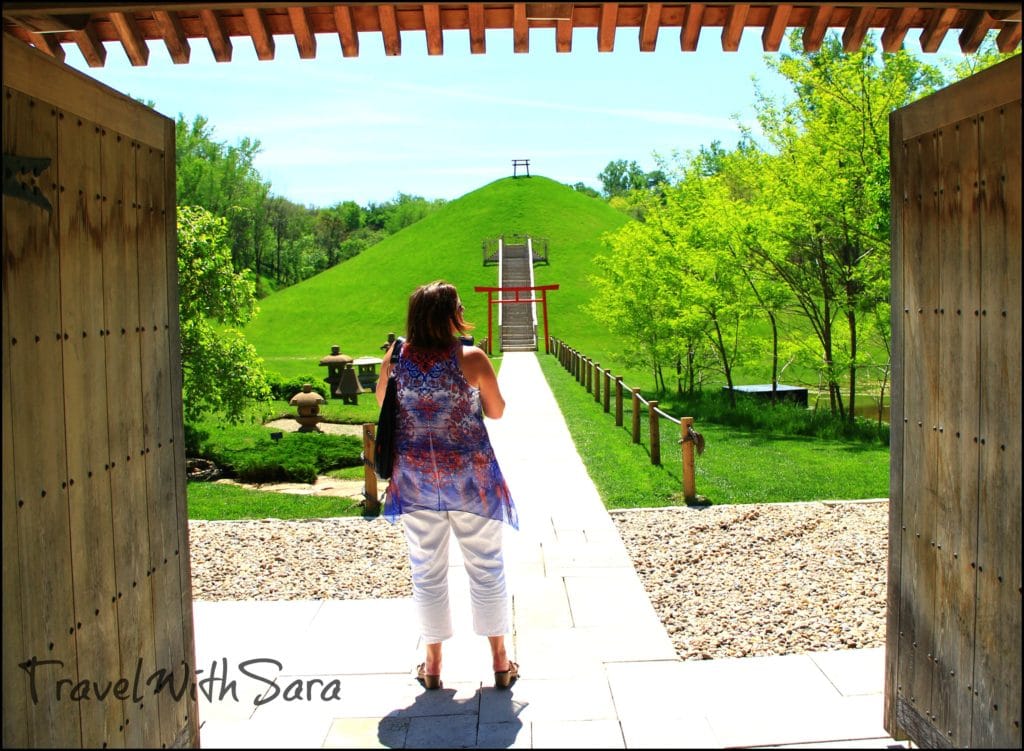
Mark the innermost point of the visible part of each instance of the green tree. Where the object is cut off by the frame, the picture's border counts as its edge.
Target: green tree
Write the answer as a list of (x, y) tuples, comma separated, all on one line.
[(223, 179), (620, 176), (741, 210), (713, 292), (581, 187), (827, 188), (333, 225), (221, 370), (634, 293)]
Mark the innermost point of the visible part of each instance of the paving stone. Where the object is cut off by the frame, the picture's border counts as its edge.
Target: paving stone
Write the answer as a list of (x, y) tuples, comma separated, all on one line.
[(853, 672), (367, 732), (577, 734), (554, 699), (452, 732), (514, 734)]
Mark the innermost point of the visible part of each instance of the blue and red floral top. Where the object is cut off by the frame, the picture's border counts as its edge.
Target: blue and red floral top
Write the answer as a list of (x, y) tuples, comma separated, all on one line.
[(443, 455)]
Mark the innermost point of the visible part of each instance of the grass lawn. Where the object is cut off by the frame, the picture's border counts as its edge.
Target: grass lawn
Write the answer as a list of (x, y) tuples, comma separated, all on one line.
[(207, 500), (737, 467)]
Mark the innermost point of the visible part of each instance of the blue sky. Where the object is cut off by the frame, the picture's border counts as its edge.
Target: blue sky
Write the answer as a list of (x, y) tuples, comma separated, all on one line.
[(367, 128)]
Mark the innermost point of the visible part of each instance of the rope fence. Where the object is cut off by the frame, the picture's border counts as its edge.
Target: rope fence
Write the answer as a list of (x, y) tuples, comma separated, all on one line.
[(609, 389)]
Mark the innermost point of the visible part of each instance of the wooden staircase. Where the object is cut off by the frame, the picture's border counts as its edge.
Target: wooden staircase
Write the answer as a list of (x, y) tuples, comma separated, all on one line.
[(518, 331)]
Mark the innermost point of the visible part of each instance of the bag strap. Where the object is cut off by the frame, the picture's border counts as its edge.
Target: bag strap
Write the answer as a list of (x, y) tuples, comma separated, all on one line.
[(397, 349)]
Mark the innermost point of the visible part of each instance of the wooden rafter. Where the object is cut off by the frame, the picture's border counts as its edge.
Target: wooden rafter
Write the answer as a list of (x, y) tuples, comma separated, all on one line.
[(563, 36), (732, 32), (259, 33), (131, 38), (936, 29), (520, 28), (48, 44), (816, 27), (90, 46), (689, 34), (175, 25), (220, 42), (432, 27), (896, 28), (606, 27), (304, 39), (857, 28), (775, 29), (174, 36), (477, 29), (974, 32), (346, 31), (649, 27), (1008, 38), (388, 19)]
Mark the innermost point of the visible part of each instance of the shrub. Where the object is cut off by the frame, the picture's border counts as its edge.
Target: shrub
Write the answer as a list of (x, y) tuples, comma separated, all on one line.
[(752, 413), (283, 389), (248, 453)]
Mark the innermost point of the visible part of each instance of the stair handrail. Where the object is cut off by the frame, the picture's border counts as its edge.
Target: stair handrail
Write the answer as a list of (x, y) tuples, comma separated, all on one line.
[(501, 278), (533, 305)]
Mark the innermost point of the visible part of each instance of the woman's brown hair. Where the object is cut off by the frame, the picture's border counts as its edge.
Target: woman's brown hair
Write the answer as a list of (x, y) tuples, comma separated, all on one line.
[(433, 308)]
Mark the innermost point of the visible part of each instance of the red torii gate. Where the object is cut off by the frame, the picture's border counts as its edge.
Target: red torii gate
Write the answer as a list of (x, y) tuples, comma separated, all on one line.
[(491, 301)]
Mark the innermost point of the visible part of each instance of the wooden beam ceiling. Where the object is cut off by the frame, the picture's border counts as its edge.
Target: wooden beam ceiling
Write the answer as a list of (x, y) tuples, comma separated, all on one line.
[(176, 26)]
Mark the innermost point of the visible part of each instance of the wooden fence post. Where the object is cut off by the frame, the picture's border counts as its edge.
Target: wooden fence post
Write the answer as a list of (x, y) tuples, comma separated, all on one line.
[(618, 401), (597, 382), (652, 418), (371, 503), (590, 375), (636, 415), (689, 481), (607, 390)]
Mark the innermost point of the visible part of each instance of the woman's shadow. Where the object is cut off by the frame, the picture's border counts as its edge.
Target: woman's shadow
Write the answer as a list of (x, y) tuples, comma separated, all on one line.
[(438, 719)]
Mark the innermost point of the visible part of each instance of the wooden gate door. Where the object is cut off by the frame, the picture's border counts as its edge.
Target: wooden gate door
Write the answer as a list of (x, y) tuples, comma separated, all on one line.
[(96, 579), (953, 640)]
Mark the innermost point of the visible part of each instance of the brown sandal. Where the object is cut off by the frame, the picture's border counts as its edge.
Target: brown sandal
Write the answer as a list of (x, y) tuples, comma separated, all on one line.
[(429, 682), (505, 678)]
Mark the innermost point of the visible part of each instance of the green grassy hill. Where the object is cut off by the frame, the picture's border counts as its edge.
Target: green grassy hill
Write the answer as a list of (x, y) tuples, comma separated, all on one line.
[(356, 303)]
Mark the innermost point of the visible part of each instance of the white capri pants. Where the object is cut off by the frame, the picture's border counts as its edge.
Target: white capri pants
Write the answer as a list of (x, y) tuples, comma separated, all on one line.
[(427, 533)]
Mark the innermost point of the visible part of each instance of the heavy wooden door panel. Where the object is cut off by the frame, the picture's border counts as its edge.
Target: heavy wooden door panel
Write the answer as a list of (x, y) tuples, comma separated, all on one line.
[(97, 583), (953, 652)]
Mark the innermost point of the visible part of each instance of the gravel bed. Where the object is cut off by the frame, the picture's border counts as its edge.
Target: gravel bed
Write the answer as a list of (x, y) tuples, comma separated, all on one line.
[(763, 579), (316, 559), (727, 581)]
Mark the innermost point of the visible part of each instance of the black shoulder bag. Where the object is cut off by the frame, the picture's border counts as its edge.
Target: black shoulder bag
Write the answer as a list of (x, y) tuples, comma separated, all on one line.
[(387, 421)]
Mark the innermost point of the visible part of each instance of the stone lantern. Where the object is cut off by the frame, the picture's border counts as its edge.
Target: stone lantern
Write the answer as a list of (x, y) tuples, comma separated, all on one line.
[(367, 371), (341, 376), (308, 403)]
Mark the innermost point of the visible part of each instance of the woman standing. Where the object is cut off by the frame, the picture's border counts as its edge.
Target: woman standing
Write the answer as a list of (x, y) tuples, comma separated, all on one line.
[(446, 477)]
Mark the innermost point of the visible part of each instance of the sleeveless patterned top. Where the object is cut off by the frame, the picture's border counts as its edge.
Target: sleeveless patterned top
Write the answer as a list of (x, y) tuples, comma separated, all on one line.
[(443, 455)]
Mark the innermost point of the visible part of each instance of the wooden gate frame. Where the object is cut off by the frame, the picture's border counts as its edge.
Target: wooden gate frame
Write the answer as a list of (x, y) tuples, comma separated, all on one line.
[(543, 289)]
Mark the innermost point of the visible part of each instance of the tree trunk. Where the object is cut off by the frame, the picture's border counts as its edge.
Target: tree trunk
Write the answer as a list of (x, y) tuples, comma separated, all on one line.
[(720, 344), (775, 357), (851, 318), (690, 356)]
